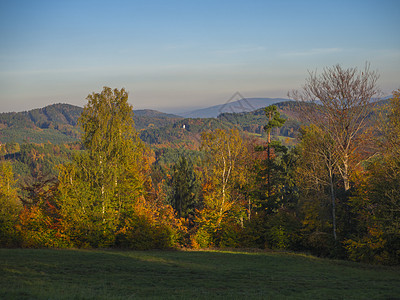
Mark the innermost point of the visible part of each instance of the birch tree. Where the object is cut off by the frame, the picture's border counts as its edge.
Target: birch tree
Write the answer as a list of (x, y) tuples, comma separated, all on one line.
[(103, 184), (224, 151), (10, 206), (318, 167), (338, 101)]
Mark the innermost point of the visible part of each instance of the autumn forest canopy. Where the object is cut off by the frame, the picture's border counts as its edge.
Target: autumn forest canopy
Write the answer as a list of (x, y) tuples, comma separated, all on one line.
[(320, 174)]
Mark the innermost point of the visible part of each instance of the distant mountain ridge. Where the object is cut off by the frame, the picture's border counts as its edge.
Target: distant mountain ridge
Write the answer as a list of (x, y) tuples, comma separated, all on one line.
[(153, 113), (239, 106)]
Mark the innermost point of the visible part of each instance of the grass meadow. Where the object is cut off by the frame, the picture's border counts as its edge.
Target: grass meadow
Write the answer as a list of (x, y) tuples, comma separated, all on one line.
[(112, 274)]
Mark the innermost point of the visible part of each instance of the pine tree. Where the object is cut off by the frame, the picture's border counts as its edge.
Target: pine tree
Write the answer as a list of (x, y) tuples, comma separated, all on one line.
[(184, 188), (274, 120)]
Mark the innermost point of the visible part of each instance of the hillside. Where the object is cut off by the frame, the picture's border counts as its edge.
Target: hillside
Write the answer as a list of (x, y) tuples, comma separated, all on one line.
[(57, 124), (54, 123), (239, 106), (189, 130), (147, 118), (254, 122)]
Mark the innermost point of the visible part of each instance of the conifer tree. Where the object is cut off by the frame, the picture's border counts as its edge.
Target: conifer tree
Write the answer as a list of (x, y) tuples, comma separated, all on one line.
[(184, 188), (274, 120)]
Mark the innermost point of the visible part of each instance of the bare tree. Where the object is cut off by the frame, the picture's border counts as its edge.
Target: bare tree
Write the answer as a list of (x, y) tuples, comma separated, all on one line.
[(338, 101)]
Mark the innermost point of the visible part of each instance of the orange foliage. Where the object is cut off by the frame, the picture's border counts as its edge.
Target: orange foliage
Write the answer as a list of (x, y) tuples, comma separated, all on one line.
[(38, 229)]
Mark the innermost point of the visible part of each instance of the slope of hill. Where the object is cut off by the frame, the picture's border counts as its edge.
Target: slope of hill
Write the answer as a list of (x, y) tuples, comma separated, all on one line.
[(57, 123), (147, 118), (150, 113), (56, 114), (189, 130), (254, 122), (239, 106), (54, 123)]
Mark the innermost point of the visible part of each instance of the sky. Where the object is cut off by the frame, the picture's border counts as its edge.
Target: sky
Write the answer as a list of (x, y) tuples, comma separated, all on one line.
[(175, 56)]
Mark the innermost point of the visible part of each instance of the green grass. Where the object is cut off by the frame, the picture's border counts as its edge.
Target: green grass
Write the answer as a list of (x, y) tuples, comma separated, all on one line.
[(96, 274)]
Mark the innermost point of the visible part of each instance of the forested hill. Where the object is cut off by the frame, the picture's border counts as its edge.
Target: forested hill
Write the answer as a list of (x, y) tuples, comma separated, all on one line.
[(148, 118), (46, 117), (189, 130), (54, 123), (57, 123)]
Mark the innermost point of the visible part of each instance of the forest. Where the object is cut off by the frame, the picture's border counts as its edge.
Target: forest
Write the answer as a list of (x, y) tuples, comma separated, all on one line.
[(321, 176)]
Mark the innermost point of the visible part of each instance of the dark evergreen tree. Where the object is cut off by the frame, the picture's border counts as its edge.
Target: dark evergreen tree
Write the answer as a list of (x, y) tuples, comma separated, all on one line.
[(274, 121), (184, 188)]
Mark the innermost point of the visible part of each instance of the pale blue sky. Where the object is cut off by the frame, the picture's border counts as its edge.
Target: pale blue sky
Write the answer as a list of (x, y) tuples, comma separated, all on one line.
[(173, 55)]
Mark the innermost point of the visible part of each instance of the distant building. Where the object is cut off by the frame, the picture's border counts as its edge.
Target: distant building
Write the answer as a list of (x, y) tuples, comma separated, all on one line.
[(183, 126)]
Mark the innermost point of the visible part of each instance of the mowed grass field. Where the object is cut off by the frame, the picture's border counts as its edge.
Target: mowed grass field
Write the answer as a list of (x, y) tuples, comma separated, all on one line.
[(112, 274)]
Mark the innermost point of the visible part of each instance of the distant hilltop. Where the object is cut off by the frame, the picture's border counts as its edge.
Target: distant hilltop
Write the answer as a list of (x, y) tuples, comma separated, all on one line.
[(237, 106)]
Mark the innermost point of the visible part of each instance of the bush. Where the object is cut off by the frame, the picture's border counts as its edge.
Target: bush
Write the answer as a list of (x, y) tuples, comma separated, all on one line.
[(144, 232), (37, 230), (202, 239)]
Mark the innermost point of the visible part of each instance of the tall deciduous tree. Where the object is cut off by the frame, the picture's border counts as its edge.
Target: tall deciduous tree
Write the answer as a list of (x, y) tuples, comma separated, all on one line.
[(9, 206), (377, 198), (318, 168), (103, 184), (224, 152), (338, 101)]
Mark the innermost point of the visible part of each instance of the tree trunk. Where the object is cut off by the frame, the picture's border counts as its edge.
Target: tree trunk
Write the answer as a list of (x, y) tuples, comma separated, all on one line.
[(222, 205), (332, 188), (249, 215), (345, 173), (269, 171)]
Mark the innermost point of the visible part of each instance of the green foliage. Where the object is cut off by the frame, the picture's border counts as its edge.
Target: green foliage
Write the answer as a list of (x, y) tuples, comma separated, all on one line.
[(34, 160), (224, 170), (55, 123), (254, 122), (229, 235), (203, 238), (102, 193), (10, 207), (99, 188), (185, 189), (153, 119), (274, 119), (139, 233), (283, 184), (283, 231)]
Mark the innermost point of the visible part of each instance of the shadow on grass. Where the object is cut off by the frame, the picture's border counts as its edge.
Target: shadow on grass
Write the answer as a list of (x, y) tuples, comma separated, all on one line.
[(111, 274)]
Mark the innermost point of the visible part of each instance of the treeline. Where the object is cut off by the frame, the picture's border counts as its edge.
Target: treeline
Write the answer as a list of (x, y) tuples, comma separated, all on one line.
[(335, 194)]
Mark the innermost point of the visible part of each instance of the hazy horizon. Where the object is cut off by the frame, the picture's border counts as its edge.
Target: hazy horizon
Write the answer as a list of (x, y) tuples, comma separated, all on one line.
[(178, 56)]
